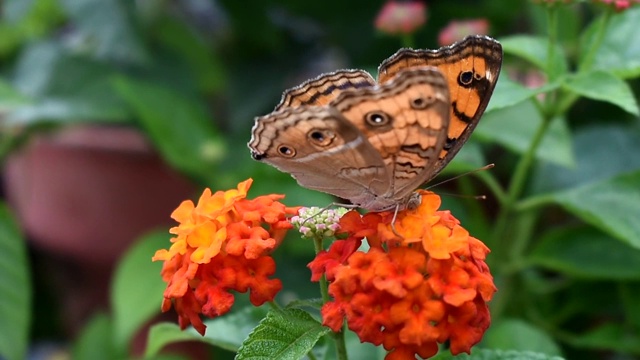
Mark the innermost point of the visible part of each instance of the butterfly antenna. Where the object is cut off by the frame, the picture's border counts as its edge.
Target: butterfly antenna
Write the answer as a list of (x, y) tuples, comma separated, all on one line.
[(486, 167)]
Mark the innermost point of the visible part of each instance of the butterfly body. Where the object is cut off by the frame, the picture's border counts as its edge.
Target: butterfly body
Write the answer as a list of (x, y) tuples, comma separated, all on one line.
[(374, 143)]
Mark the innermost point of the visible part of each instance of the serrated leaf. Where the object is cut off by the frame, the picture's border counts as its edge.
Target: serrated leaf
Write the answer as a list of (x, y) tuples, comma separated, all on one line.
[(94, 341), (136, 292), (535, 50), (179, 126), (286, 334), (604, 86), (514, 127), (521, 336), (15, 289), (619, 51), (586, 253), (612, 205)]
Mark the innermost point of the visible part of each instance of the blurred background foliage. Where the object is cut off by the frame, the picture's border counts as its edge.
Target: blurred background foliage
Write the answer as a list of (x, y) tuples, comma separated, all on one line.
[(191, 76)]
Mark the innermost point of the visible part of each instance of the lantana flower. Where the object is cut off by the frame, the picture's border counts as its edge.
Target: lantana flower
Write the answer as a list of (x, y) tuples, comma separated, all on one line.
[(401, 16), (222, 244), (423, 281), (456, 30), (619, 5)]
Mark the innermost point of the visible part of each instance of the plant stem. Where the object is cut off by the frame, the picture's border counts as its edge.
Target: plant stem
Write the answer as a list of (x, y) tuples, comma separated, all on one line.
[(407, 40)]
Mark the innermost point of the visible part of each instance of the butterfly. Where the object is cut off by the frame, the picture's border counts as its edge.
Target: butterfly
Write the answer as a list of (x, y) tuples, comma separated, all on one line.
[(375, 142)]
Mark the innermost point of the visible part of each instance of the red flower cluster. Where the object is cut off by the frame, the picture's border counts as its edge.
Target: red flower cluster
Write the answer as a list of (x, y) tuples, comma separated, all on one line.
[(222, 244), (408, 292)]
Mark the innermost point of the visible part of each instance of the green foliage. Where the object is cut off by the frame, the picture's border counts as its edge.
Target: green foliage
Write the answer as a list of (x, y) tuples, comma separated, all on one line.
[(15, 289), (564, 197)]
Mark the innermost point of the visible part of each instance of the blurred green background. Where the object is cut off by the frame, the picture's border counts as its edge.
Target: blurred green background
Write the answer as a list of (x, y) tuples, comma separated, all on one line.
[(164, 94)]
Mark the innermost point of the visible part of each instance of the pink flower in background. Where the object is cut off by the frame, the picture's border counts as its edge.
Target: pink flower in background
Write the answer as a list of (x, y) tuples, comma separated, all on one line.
[(457, 30), (401, 17), (619, 5)]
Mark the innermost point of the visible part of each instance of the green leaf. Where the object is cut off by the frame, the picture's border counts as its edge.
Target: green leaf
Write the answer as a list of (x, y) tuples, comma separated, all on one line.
[(10, 97), (612, 205), (486, 354), (508, 93), (179, 126), (611, 336), (586, 253), (286, 334), (137, 289), (518, 335), (231, 330), (164, 333), (514, 127), (15, 289), (602, 152), (109, 25), (619, 51), (227, 332), (604, 86), (64, 87), (535, 50), (206, 65), (94, 341)]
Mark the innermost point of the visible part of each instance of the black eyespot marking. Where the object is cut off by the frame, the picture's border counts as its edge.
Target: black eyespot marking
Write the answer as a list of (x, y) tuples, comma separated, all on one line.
[(421, 103), (477, 76), (377, 118), (466, 78), (321, 137), (286, 151)]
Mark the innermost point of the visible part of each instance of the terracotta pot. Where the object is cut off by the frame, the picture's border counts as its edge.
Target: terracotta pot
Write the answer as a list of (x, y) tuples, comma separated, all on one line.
[(86, 192)]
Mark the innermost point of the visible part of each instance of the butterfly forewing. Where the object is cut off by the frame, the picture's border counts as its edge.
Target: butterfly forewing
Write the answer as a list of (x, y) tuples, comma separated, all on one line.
[(324, 88), (471, 67)]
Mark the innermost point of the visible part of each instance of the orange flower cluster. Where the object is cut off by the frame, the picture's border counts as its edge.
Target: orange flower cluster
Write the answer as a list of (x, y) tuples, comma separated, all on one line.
[(408, 292), (222, 244)]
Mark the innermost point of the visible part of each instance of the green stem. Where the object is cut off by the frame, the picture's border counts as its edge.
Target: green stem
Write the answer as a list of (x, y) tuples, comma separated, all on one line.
[(407, 40), (569, 98), (552, 25), (338, 337), (516, 187)]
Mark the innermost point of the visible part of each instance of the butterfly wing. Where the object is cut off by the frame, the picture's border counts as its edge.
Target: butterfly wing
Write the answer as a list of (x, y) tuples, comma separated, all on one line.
[(324, 88), (406, 121), (322, 151), (471, 68)]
